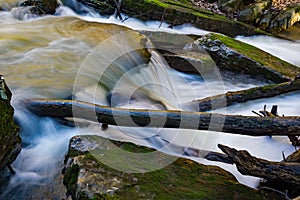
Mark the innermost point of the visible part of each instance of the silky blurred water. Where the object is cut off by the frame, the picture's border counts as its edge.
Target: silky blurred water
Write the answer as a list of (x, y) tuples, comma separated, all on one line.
[(74, 56)]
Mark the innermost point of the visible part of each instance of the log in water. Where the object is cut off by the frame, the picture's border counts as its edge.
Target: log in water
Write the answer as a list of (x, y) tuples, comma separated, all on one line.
[(245, 125), (230, 98)]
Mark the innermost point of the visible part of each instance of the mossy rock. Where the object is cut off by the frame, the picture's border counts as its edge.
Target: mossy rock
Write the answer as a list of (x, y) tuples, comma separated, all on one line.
[(180, 53), (175, 13), (10, 142), (230, 54), (88, 178)]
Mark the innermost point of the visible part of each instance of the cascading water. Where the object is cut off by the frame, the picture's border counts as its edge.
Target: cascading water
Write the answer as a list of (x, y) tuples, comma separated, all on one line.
[(38, 166), (286, 50), (65, 62)]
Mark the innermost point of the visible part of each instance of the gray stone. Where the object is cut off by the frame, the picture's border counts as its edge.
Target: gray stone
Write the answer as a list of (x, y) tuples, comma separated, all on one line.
[(265, 21), (251, 13), (230, 6), (285, 19)]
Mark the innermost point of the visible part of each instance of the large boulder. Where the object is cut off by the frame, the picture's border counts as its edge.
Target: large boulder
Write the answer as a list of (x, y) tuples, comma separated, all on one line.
[(230, 6), (87, 178), (180, 53), (252, 13), (10, 142), (285, 19), (230, 54)]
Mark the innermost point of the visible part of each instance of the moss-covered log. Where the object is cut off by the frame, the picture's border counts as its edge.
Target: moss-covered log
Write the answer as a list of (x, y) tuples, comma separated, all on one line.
[(230, 98), (10, 142), (246, 125)]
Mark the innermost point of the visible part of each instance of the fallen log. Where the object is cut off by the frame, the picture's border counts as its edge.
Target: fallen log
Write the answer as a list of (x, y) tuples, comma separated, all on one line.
[(294, 139), (290, 190), (277, 175), (285, 172), (230, 98), (294, 157), (245, 125)]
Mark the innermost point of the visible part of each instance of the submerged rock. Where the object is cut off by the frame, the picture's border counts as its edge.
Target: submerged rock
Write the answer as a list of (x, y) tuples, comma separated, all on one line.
[(10, 142), (87, 178), (232, 55)]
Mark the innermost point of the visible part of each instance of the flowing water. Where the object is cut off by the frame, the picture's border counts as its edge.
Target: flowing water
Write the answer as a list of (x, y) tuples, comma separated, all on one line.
[(94, 59)]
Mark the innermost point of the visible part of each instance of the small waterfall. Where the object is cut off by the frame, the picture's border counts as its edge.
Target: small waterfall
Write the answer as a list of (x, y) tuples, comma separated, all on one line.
[(38, 166), (83, 58)]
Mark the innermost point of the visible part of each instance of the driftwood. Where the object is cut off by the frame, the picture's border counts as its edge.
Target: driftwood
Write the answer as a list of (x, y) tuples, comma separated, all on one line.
[(290, 190), (294, 139), (286, 172), (294, 157), (230, 98), (280, 177), (245, 125)]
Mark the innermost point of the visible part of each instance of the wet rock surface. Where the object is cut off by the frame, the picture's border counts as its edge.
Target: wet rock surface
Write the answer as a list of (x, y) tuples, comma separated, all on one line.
[(86, 177), (10, 142), (236, 56), (175, 13)]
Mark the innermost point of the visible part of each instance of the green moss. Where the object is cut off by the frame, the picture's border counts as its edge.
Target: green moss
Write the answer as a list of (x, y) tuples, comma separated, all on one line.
[(9, 138), (130, 147), (70, 179), (182, 179), (104, 196), (259, 56), (181, 11)]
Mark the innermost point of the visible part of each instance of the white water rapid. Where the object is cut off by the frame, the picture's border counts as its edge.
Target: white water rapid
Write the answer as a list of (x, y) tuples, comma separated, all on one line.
[(53, 57)]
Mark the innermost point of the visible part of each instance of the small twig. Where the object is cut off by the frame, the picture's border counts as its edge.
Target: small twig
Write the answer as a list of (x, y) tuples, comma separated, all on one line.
[(257, 113), (118, 9), (283, 156), (162, 18), (11, 170)]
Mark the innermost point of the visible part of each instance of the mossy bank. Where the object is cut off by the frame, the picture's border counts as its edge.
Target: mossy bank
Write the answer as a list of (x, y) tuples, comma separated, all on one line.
[(175, 13), (86, 177)]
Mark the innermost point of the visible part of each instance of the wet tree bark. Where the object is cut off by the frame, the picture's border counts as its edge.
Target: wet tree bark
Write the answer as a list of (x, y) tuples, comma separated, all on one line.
[(281, 177), (287, 172), (223, 100), (245, 125), (294, 157)]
